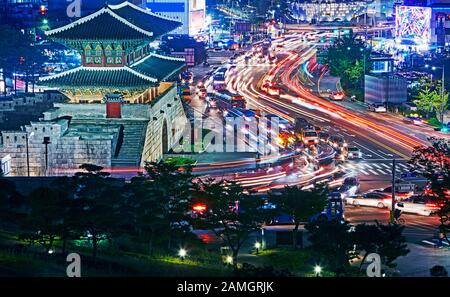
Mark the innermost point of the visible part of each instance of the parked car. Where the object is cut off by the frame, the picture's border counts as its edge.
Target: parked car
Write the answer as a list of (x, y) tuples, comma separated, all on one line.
[(416, 204), (377, 107), (402, 191), (373, 199)]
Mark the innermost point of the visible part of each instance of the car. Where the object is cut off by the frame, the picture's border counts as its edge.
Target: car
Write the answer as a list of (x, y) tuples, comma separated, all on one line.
[(414, 178), (416, 204), (324, 136), (377, 107), (354, 153), (413, 120), (310, 137), (337, 96), (349, 187), (373, 199), (402, 191), (337, 141), (300, 124), (201, 92)]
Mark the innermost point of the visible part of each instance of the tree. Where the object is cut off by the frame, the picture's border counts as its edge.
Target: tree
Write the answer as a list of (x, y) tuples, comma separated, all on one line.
[(385, 240), (97, 203), (425, 100), (440, 105), (429, 98), (144, 211), (300, 204), (433, 162), (333, 241), (172, 185), (45, 218), (233, 214)]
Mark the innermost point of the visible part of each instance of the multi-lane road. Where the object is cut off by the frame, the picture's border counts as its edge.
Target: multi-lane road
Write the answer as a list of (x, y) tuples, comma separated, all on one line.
[(380, 138)]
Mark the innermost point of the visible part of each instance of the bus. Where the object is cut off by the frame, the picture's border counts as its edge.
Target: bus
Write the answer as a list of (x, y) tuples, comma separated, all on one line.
[(226, 100)]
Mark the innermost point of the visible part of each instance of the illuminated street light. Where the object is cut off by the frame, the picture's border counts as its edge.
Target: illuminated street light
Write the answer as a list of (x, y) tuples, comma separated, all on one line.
[(317, 270), (229, 260), (257, 246), (182, 253)]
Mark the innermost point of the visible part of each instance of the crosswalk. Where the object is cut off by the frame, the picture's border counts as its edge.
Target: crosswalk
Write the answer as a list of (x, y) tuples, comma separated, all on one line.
[(374, 167)]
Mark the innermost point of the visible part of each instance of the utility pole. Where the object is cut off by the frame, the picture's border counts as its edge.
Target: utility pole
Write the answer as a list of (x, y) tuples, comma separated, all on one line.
[(442, 94), (393, 192), (28, 154)]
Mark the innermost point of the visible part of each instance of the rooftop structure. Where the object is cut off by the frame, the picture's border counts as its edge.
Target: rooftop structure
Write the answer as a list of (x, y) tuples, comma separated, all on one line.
[(116, 56)]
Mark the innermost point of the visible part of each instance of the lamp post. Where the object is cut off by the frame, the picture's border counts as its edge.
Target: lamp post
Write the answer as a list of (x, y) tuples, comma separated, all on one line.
[(46, 143), (257, 247), (391, 217), (441, 113), (182, 254), (317, 270), (28, 154)]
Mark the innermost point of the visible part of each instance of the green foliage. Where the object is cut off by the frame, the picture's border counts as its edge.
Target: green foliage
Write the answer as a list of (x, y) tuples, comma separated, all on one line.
[(248, 270), (333, 241), (300, 204), (385, 240), (433, 162), (46, 216), (180, 161), (232, 215), (298, 261), (346, 60), (430, 100)]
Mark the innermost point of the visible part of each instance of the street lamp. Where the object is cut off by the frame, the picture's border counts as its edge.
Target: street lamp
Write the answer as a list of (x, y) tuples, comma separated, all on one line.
[(317, 270), (442, 90), (28, 154), (229, 260), (182, 253), (46, 143), (257, 246)]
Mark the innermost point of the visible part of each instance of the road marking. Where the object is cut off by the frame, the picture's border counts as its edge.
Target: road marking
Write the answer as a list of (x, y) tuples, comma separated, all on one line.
[(376, 165), (384, 173), (404, 166), (373, 152), (385, 165), (374, 172)]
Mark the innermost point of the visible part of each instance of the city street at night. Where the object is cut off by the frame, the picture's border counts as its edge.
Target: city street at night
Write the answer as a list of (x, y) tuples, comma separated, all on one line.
[(202, 144)]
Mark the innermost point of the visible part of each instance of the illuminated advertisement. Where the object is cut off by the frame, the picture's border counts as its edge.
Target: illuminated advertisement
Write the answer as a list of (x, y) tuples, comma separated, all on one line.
[(197, 17), (412, 23), (197, 22)]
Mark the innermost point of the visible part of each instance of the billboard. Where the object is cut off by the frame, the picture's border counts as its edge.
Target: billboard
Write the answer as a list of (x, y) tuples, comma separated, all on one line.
[(197, 16), (413, 23)]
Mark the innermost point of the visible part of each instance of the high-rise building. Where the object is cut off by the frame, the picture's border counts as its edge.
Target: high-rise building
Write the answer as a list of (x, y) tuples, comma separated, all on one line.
[(192, 13)]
